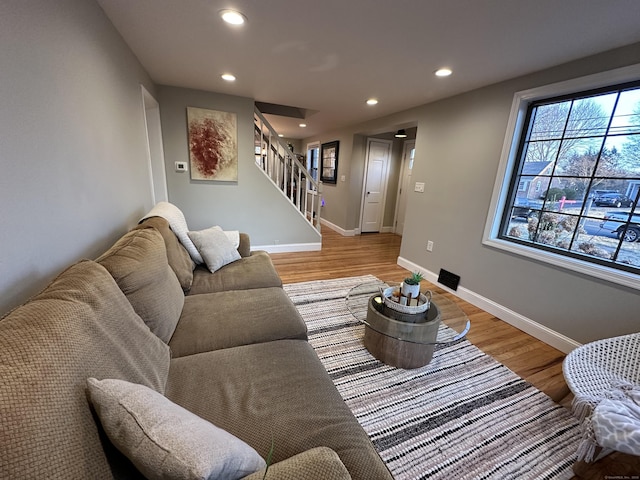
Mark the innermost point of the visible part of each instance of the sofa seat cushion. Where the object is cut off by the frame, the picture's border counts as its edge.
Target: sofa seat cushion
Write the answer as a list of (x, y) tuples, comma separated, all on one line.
[(314, 464), (80, 326), (177, 256), (254, 271), (138, 262), (164, 440), (274, 391), (213, 321)]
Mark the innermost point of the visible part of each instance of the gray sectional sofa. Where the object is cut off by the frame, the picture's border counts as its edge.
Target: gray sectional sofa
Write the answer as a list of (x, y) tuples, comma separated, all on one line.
[(194, 349)]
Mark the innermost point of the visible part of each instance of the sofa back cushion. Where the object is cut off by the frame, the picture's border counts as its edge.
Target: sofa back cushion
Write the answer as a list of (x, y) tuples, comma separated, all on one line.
[(178, 257), (80, 326), (138, 263)]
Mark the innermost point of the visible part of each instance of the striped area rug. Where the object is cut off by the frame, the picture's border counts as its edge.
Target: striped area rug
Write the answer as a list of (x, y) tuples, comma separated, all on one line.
[(463, 416)]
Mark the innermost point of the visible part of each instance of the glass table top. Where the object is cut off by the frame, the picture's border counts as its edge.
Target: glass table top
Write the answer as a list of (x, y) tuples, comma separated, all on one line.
[(454, 324)]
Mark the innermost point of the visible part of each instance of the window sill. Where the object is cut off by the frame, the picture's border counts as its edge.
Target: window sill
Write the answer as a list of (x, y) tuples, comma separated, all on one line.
[(619, 277)]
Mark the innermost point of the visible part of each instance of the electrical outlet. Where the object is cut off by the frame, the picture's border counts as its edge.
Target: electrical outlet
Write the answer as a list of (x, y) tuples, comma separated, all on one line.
[(429, 246), (419, 187)]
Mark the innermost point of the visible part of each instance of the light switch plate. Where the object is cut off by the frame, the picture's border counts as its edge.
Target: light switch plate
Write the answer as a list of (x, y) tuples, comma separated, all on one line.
[(419, 187), (181, 166)]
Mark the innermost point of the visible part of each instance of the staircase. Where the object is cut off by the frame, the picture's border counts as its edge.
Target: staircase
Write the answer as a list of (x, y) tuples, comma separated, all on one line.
[(287, 171)]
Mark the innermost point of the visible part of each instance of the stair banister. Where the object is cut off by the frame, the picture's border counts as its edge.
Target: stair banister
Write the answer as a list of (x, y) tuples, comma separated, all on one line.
[(287, 173)]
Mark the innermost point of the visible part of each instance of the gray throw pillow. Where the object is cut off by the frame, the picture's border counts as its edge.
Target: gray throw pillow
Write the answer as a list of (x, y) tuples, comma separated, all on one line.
[(215, 247), (164, 440)]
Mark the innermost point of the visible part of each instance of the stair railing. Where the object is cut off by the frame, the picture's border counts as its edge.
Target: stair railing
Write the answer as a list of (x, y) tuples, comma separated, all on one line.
[(287, 171)]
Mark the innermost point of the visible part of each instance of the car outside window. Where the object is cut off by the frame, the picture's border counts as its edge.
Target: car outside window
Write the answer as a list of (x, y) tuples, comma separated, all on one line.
[(573, 186)]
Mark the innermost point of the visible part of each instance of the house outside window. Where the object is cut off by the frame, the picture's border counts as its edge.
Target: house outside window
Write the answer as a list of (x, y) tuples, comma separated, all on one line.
[(571, 177), (522, 186)]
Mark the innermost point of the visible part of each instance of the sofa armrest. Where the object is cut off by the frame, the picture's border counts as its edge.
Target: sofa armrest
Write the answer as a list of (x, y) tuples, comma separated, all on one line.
[(319, 462), (244, 249)]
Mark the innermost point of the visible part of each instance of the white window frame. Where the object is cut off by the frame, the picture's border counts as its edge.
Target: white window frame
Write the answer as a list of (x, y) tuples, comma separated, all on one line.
[(509, 159)]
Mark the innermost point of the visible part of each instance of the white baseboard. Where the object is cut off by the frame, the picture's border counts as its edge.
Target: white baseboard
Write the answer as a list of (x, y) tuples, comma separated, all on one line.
[(336, 228), (351, 233), (535, 329), (289, 247)]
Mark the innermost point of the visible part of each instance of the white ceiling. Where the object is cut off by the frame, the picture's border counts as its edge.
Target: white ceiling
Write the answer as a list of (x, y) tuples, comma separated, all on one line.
[(330, 56)]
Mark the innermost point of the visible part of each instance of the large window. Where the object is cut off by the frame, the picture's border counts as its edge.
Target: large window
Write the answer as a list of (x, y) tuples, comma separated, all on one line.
[(571, 186)]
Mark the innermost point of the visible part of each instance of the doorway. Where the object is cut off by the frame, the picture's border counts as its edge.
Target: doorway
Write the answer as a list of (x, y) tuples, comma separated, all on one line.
[(404, 183), (375, 184), (155, 151)]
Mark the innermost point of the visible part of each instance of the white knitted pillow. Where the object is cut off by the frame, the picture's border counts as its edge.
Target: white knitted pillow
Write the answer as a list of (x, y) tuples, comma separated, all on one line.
[(178, 224)]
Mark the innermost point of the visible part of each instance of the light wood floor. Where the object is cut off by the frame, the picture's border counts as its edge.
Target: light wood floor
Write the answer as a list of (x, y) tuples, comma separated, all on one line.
[(376, 254)]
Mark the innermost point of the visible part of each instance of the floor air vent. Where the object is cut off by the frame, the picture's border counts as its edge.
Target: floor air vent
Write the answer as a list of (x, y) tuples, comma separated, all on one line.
[(449, 279)]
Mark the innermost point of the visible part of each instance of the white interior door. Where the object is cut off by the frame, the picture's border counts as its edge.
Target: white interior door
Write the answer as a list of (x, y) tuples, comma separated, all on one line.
[(408, 154), (375, 184)]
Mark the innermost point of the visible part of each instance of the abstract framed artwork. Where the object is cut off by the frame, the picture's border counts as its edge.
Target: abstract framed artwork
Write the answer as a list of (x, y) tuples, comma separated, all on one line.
[(329, 162), (213, 145)]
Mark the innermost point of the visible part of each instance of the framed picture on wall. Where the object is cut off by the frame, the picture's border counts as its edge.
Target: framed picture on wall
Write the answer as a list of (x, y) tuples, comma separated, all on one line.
[(329, 162), (213, 145)]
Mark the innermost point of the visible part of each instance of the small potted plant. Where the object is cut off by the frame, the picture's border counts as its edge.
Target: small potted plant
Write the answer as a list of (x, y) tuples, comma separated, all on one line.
[(411, 285)]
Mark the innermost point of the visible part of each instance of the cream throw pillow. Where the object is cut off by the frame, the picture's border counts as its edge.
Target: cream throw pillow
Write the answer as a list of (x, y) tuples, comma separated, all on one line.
[(215, 247), (164, 440)]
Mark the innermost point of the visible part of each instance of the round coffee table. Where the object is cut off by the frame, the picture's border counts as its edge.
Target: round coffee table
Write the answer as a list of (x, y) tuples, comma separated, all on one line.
[(401, 340)]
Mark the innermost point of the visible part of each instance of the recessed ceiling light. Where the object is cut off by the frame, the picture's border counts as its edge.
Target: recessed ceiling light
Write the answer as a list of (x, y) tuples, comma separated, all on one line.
[(233, 17), (228, 77), (372, 101), (280, 135), (443, 72), (303, 125)]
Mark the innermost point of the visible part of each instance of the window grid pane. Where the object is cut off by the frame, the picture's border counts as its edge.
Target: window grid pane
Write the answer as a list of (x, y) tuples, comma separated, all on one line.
[(577, 181)]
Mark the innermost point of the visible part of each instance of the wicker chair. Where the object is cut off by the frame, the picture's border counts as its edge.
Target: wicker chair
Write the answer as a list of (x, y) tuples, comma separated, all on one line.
[(594, 372)]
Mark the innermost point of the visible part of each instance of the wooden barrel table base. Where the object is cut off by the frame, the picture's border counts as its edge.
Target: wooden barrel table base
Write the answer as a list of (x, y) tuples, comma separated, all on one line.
[(399, 339)]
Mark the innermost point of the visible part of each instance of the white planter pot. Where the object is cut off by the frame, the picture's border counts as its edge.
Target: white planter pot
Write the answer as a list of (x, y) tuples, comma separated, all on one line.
[(410, 290)]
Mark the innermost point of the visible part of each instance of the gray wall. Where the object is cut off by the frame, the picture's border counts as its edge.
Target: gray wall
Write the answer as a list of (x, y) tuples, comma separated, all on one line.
[(252, 204), (75, 173), (343, 200), (72, 140), (336, 197), (459, 144), (458, 147)]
